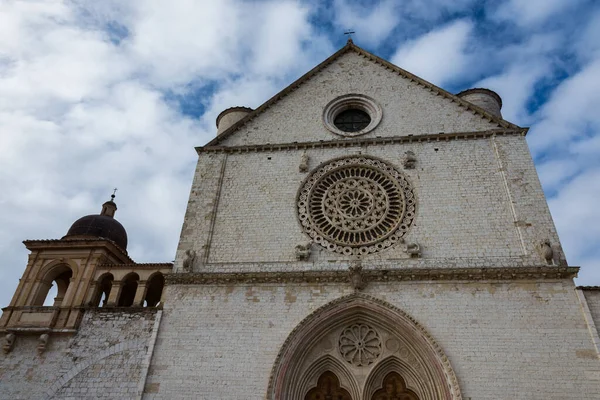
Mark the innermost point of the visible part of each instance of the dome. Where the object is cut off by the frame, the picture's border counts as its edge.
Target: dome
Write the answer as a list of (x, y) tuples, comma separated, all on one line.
[(101, 226)]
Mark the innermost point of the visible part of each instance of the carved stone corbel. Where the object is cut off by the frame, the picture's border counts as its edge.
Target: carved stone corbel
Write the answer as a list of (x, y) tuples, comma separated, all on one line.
[(43, 342), (547, 252), (9, 342), (409, 160), (189, 260), (413, 250), (357, 276), (303, 167), (303, 251)]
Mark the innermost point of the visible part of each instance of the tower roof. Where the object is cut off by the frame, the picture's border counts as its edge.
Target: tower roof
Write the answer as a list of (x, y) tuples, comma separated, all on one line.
[(102, 225)]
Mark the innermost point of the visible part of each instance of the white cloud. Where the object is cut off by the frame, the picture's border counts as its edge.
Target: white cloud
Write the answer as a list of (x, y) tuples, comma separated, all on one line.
[(576, 214), (82, 112), (528, 12), (439, 55), (571, 111), (83, 106), (371, 22)]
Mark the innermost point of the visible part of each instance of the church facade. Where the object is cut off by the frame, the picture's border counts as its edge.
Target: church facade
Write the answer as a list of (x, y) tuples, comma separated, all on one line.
[(363, 234)]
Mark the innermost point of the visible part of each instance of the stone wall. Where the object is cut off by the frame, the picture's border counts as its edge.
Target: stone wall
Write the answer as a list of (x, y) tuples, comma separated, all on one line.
[(517, 340), (479, 204), (106, 358), (592, 296)]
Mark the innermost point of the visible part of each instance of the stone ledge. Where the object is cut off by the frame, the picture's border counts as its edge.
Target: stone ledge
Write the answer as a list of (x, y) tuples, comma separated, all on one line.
[(435, 137), (378, 275)]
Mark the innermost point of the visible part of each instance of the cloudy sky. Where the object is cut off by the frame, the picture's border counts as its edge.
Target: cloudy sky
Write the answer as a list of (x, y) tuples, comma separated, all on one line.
[(103, 94)]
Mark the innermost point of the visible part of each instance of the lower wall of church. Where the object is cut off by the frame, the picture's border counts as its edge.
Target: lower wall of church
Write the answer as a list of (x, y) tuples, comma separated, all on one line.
[(104, 359), (512, 340)]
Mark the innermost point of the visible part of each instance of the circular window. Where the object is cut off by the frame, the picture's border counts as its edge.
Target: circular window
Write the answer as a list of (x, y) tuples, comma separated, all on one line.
[(352, 115), (356, 205), (352, 120)]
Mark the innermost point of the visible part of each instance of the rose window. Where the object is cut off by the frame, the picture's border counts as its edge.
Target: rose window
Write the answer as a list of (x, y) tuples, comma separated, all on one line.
[(356, 205), (360, 344)]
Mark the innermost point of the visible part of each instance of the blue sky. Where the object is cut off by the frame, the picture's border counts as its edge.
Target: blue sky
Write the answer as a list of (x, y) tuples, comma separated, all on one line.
[(96, 95)]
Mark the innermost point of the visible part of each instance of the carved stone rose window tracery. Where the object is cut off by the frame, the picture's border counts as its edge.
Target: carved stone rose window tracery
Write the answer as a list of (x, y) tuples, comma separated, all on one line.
[(360, 344), (356, 205)]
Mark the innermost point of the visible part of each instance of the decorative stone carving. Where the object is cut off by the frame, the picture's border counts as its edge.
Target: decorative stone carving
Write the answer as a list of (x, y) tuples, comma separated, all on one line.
[(547, 252), (357, 277), (303, 251), (360, 344), (413, 250), (328, 387), (9, 342), (189, 260), (375, 275), (303, 162), (356, 102), (409, 160), (356, 205), (394, 388), (43, 342)]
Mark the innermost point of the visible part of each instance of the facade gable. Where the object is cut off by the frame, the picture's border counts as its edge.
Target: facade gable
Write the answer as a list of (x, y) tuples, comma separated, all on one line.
[(409, 105)]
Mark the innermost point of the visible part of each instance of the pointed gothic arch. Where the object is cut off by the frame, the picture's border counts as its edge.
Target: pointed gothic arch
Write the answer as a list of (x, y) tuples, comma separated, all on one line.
[(310, 378), (394, 365), (414, 353)]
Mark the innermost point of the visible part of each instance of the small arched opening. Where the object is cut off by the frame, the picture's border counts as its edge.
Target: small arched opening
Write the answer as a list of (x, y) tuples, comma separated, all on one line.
[(103, 290), (57, 279), (130, 284), (154, 289)]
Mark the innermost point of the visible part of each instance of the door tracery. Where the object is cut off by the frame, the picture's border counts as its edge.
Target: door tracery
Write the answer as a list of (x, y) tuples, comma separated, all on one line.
[(328, 388), (394, 388)]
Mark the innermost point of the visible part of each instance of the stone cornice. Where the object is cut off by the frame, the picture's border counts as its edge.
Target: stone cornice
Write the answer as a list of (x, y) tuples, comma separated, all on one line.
[(588, 288), (137, 266), (362, 141), (375, 275), (81, 243)]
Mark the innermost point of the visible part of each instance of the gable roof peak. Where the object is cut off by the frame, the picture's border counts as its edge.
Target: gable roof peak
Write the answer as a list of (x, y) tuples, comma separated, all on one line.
[(350, 46)]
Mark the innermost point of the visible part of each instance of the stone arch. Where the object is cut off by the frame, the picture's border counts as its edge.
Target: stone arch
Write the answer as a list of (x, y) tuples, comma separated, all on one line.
[(438, 381), (154, 288), (61, 272), (309, 378), (104, 285), (414, 382), (78, 368), (129, 288)]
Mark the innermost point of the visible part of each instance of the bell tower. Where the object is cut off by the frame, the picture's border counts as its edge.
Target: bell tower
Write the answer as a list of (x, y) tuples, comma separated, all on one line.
[(69, 264)]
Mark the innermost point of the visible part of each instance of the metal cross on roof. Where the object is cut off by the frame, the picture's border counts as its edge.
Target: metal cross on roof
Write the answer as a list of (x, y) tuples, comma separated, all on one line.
[(349, 33)]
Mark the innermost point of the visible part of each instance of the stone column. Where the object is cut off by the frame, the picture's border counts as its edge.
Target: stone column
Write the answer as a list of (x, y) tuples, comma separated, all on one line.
[(140, 294), (115, 293)]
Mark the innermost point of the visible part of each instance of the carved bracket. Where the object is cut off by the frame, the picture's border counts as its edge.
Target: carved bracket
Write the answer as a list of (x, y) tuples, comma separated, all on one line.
[(357, 277), (413, 250), (189, 260), (409, 160), (303, 167), (43, 343), (303, 251), (9, 342)]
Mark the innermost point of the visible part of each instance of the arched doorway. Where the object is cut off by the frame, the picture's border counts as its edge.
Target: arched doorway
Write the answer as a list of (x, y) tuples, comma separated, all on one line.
[(373, 349)]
